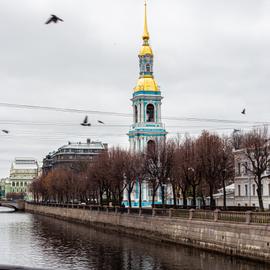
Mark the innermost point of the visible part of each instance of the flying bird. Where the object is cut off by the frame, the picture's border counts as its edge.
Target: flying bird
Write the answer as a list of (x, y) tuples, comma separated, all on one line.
[(99, 121), (236, 130), (85, 122), (5, 131), (54, 19), (244, 111)]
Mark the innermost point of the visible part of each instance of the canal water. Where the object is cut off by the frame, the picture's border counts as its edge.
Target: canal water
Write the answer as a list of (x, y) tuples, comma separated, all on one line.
[(46, 243)]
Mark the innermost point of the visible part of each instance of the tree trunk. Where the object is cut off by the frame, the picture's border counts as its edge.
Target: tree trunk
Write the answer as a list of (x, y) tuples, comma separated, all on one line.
[(100, 198), (153, 196), (212, 201), (194, 196), (174, 196), (184, 199), (259, 193), (129, 198), (162, 195), (224, 194), (140, 194)]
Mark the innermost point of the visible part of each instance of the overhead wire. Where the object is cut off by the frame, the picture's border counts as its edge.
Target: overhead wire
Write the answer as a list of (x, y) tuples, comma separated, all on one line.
[(73, 110)]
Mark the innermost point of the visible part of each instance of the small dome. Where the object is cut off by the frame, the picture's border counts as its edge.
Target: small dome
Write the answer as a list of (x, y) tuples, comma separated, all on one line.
[(146, 84), (145, 49)]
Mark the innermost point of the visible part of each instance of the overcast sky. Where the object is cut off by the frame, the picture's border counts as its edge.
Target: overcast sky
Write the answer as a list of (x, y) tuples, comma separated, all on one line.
[(212, 59)]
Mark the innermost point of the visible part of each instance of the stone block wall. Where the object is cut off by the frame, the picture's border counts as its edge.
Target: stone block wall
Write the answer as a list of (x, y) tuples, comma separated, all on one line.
[(243, 240)]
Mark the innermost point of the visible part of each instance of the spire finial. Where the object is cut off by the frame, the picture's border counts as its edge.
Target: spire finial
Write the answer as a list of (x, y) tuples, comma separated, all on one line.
[(145, 32)]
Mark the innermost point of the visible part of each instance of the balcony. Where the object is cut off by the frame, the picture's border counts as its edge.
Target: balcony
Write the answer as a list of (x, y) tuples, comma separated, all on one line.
[(148, 125)]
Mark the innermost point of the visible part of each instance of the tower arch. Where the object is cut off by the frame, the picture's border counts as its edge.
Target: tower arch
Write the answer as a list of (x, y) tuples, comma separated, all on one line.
[(150, 112)]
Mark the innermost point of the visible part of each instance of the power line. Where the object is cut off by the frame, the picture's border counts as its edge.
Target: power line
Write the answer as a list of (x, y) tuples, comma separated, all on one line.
[(72, 110)]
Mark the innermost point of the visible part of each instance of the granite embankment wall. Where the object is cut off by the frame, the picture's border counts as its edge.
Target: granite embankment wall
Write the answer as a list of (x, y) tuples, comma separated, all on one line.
[(243, 240)]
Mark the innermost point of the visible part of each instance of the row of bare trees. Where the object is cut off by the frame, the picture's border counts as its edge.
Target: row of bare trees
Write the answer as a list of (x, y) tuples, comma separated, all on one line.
[(192, 167)]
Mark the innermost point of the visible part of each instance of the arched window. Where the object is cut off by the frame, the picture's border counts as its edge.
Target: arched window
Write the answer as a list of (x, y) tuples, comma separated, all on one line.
[(150, 113), (151, 146), (148, 68), (136, 114)]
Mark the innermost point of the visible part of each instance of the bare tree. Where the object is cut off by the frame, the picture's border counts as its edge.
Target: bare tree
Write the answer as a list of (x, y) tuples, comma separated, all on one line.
[(159, 163), (257, 151), (117, 159), (209, 149), (130, 172), (226, 166)]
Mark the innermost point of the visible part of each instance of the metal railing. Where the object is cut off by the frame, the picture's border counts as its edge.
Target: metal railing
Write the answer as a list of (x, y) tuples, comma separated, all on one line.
[(247, 217)]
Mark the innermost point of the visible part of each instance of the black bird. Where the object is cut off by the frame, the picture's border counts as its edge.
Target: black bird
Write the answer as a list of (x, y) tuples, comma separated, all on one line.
[(236, 130), (5, 131), (101, 122), (85, 122), (244, 111), (54, 19)]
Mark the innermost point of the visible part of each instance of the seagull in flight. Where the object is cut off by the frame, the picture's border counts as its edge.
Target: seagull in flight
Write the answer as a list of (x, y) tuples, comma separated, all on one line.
[(99, 121), (5, 131), (54, 19), (85, 122), (244, 111)]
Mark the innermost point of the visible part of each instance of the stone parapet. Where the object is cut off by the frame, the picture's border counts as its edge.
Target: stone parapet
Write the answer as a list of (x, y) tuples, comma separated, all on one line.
[(235, 239)]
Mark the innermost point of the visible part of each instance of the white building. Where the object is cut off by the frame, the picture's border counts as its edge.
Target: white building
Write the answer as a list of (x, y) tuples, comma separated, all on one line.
[(230, 191), (245, 186), (22, 172)]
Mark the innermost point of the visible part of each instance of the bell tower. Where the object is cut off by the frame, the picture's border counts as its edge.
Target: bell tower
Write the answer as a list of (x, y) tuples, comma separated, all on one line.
[(147, 128)]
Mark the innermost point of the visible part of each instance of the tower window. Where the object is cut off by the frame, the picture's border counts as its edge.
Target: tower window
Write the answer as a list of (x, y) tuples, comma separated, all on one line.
[(150, 115), (151, 146), (148, 68), (136, 114)]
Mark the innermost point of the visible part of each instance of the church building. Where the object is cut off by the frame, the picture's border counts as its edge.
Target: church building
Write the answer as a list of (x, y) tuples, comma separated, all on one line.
[(147, 129)]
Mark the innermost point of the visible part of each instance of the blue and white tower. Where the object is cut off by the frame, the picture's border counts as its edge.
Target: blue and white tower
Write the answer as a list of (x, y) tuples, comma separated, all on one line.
[(147, 129)]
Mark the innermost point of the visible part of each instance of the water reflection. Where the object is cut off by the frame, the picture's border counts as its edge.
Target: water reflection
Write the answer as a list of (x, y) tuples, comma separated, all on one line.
[(54, 244), (6, 210)]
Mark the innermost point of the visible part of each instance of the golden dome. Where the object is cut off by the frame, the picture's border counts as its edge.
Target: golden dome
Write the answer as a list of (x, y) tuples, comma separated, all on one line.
[(146, 84), (145, 49)]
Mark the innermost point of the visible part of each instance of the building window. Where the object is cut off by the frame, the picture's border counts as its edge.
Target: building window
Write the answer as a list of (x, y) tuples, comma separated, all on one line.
[(148, 68), (253, 190), (151, 147), (150, 115), (239, 168), (246, 190), (136, 114), (239, 190), (246, 168)]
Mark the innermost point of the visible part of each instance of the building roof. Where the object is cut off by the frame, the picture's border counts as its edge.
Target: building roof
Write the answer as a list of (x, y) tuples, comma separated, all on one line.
[(80, 145), (24, 163)]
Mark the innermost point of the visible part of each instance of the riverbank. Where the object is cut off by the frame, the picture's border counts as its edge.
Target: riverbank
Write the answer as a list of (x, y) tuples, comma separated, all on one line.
[(236, 239)]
